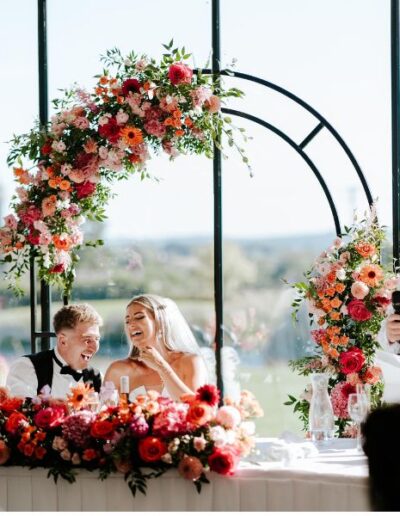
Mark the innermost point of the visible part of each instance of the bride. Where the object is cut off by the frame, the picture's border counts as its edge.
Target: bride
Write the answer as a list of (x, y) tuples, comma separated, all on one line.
[(164, 355)]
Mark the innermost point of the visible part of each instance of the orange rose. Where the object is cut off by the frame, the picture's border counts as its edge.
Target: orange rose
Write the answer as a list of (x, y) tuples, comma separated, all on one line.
[(199, 414), (14, 421), (151, 449)]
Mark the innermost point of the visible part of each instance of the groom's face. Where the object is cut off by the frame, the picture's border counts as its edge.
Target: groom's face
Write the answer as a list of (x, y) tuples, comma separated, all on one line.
[(78, 345)]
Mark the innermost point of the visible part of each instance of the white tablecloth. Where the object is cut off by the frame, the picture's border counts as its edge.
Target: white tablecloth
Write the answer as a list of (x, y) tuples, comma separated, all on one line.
[(336, 479)]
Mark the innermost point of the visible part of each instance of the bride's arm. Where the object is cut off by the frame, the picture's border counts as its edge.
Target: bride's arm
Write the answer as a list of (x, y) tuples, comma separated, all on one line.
[(190, 373)]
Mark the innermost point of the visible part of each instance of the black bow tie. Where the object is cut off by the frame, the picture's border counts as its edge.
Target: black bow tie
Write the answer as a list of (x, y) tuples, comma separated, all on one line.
[(66, 369)]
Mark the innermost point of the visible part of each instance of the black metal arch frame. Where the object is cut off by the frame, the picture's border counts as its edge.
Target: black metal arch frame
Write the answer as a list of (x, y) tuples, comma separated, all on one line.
[(45, 297)]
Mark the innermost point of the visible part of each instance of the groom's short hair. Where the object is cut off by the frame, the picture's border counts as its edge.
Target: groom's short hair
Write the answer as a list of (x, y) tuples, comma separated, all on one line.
[(71, 315)]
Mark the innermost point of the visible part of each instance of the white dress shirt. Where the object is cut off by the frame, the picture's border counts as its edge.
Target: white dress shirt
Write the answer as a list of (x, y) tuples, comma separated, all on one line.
[(22, 380), (383, 339)]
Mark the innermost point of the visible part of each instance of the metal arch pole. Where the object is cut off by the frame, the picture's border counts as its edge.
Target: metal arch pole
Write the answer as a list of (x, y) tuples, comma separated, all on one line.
[(315, 113), (300, 151), (45, 295), (395, 75), (217, 183)]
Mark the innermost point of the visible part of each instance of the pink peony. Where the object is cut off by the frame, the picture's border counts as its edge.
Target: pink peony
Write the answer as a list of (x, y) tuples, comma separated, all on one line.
[(228, 416), (139, 426)]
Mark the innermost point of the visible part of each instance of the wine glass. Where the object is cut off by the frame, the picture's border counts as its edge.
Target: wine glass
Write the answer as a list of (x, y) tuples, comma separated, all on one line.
[(358, 409)]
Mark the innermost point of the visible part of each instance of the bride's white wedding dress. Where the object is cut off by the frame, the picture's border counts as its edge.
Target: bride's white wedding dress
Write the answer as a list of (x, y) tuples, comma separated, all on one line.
[(141, 390)]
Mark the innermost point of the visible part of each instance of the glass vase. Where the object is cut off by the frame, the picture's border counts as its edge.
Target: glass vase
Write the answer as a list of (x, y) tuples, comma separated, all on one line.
[(321, 419)]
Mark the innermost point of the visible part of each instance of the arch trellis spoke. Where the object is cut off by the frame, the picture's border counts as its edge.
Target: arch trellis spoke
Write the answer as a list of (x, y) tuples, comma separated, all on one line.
[(300, 151)]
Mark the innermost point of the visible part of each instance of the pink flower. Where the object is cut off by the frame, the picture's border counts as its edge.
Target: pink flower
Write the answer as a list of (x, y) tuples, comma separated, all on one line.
[(49, 206), (169, 148), (340, 397), (359, 289), (213, 104), (179, 73), (81, 122), (122, 117), (155, 128), (169, 103), (199, 443), (29, 213), (49, 417), (10, 221), (171, 421), (76, 427), (90, 147), (22, 194), (200, 95), (228, 416)]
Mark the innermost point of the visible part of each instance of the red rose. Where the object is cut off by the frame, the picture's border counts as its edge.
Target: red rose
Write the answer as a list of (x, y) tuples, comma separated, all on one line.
[(14, 422), (111, 131), (40, 452), (358, 311), (351, 361), (130, 85), (85, 189), (49, 417), (151, 449), (46, 148), (34, 237), (57, 269), (180, 73), (102, 430), (223, 460)]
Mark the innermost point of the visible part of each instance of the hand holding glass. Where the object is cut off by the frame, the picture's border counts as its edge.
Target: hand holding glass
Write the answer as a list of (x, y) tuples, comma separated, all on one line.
[(358, 409)]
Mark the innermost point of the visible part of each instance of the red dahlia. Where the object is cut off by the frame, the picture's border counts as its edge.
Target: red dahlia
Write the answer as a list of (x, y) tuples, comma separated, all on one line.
[(209, 394), (130, 85)]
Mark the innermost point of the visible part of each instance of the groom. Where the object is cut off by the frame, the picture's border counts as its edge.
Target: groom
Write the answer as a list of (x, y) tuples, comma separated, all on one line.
[(78, 339)]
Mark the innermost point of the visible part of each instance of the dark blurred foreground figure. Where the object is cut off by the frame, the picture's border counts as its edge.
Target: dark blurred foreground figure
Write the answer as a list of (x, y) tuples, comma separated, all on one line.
[(381, 444)]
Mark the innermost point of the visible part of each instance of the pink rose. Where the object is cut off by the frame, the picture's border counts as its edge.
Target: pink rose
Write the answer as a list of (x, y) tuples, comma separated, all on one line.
[(358, 311), (49, 417), (10, 221), (359, 289), (180, 73)]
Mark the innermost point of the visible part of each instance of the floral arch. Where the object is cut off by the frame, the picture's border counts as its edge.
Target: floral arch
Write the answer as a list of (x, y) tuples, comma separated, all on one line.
[(137, 107)]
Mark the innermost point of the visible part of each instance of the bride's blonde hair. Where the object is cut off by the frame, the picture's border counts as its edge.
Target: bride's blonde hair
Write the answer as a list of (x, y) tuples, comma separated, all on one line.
[(171, 326)]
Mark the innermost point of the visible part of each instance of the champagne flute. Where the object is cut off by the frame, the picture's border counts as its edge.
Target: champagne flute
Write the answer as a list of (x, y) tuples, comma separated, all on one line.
[(358, 409), (93, 402)]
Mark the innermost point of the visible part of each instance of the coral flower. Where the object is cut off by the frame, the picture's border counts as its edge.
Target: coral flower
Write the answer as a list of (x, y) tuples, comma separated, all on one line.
[(372, 275), (132, 135), (61, 243), (190, 468), (365, 249), (79, 396)]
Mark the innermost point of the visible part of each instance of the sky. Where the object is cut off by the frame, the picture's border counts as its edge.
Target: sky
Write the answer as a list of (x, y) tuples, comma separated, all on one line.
[(334, 54)]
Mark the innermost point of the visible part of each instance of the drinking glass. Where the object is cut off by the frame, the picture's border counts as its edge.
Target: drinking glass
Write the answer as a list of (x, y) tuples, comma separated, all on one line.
[(358, 409), (93, 402)]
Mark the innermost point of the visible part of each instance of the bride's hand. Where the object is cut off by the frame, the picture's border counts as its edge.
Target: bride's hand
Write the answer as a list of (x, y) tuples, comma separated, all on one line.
[(153, 359)]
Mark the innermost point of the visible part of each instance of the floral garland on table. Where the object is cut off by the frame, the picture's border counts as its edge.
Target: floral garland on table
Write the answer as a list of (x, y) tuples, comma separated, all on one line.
[(154, 432), (95, 138), (348, 293)]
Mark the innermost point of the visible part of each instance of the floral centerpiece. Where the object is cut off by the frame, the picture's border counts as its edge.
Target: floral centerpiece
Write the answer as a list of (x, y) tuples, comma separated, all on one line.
[(348, 293), (138, 107), (142, 439)]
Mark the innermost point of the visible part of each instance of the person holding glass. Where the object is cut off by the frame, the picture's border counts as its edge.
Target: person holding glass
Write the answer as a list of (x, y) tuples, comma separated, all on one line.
[(164, 355)]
